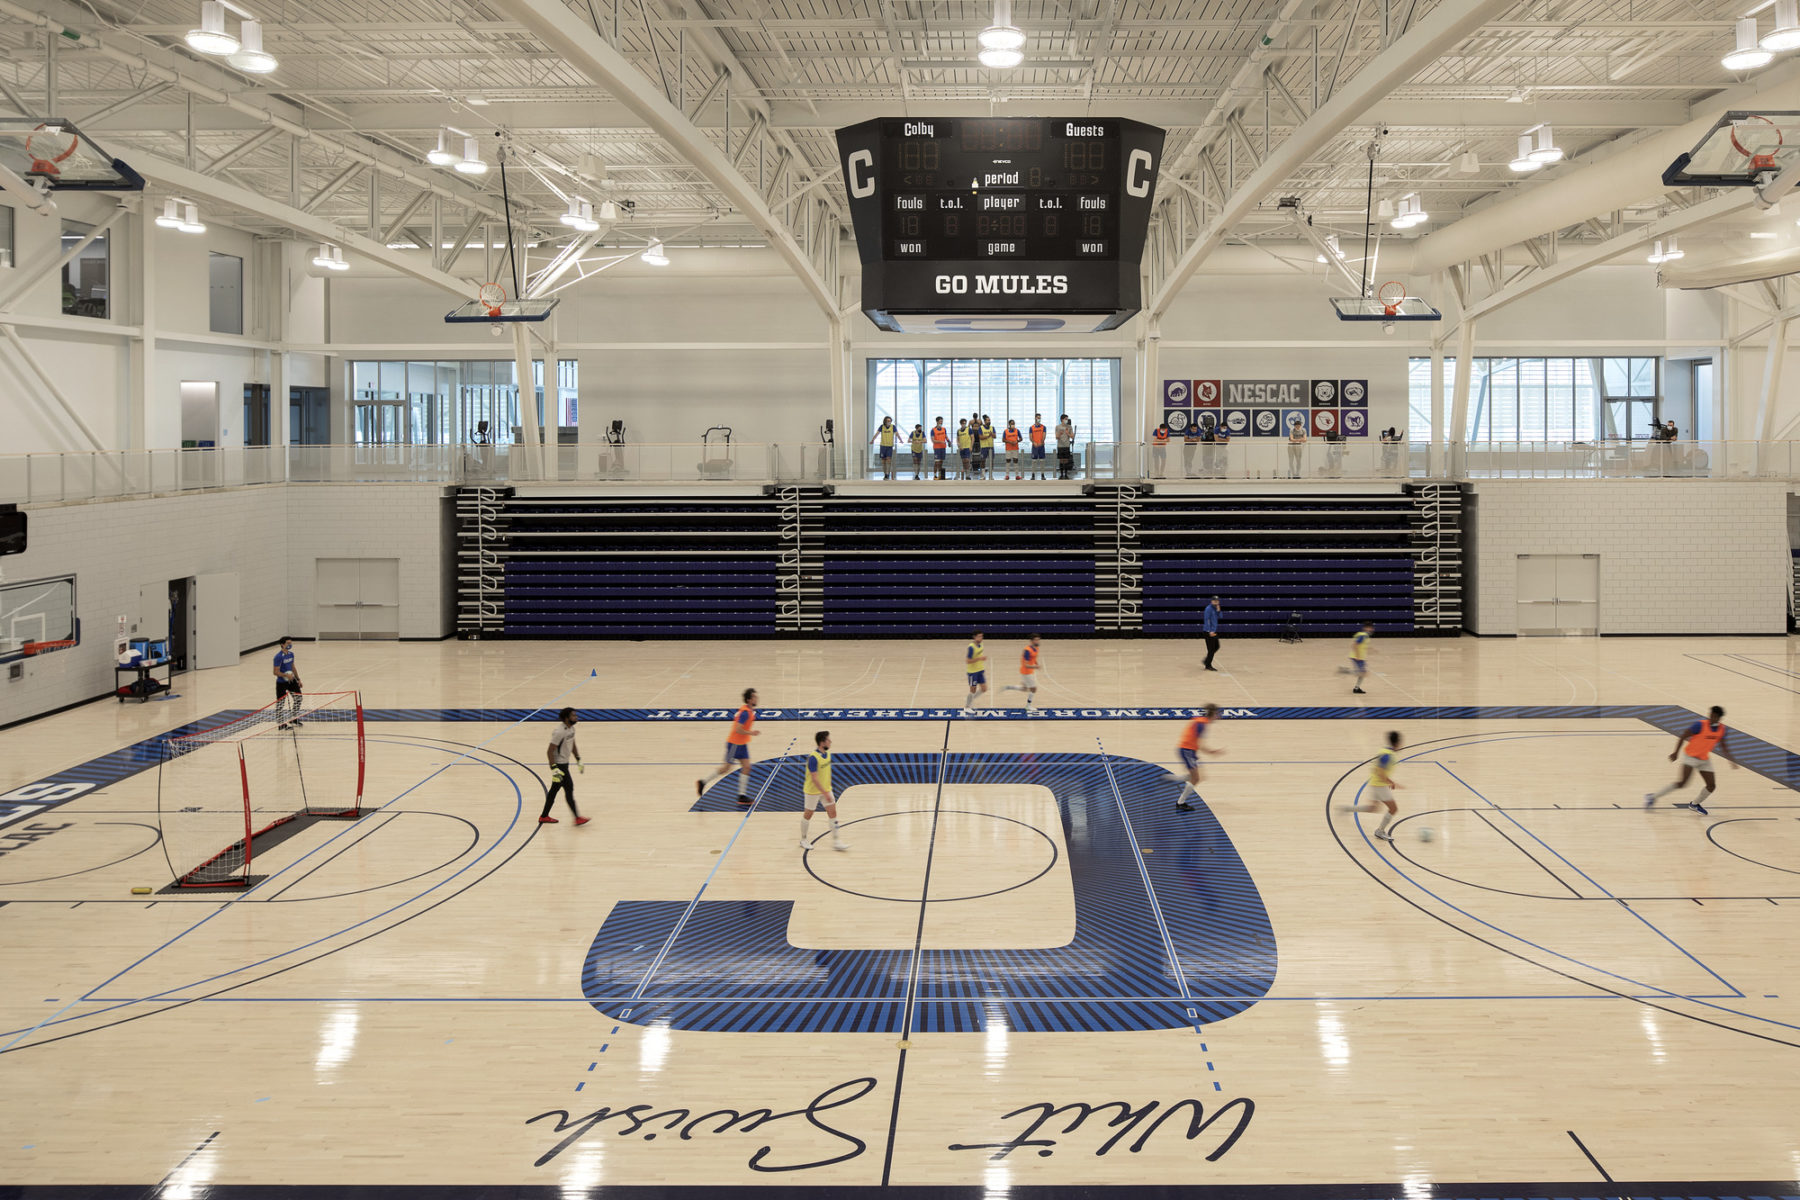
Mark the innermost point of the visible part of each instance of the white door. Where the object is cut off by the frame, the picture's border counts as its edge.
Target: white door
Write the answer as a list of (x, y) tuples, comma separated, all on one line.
[(1558, 594), (357, 597), (215, 621), (337, 589), (153, 611), (379, 580)]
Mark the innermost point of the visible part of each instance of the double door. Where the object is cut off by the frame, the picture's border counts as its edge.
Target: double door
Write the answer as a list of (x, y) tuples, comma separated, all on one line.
[(357, 598), (1558, 594)]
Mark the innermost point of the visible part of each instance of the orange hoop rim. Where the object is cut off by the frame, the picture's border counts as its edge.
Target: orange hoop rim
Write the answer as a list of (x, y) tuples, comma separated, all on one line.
[(1759, 161), (47, 166), (491, 295), (1392, 295)]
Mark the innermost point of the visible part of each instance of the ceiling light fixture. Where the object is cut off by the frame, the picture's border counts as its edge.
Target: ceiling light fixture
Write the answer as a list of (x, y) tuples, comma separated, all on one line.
[(1764, 235), (1786, 34), (1546, 150), (443, 156), (1384, 211), (470, 163), (1747, 56), (1673, 252), (1524, 162), (1468, 164), (211, 37), (1002, 44), (1412, 212), (1664, 252), (609, 211), (251, 57), (190, 219), (171, 215), (653, 254)]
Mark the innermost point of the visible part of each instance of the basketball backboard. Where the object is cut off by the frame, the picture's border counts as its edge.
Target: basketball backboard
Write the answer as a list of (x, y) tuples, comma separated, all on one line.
[(39, 155), (1741, 148), (1374, 308), (491, 307), (37, 616)]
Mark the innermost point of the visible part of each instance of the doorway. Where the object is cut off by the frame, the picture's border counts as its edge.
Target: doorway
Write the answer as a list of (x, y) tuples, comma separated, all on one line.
[(357, 598), (1558, 594), (309, 416)]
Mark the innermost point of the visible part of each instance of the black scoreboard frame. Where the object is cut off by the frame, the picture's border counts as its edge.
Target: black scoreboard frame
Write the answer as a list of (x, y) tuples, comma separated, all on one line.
[(1000, 224)]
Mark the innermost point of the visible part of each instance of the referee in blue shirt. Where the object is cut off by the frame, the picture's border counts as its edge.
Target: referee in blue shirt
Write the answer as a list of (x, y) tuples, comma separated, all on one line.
[(1211, 624)]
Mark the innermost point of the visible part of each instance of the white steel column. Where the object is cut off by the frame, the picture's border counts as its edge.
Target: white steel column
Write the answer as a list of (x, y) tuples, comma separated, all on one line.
[(526, 454), (1773, 362), (1459, 406), (1437, 466), (140, 393)]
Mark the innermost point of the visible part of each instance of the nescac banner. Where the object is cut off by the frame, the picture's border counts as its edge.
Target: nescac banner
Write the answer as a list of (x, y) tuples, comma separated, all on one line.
[(1268, 407)]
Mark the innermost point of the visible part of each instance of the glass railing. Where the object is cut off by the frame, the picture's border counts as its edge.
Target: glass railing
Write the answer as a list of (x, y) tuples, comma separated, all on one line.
[(74, 478)]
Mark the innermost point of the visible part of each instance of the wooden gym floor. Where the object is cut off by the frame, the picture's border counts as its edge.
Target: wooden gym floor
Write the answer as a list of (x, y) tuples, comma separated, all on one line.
[(1027, 971)]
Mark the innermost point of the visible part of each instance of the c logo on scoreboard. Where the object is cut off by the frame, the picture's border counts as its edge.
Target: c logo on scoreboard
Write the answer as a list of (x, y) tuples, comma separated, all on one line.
[(1137, 173), (862, 182)]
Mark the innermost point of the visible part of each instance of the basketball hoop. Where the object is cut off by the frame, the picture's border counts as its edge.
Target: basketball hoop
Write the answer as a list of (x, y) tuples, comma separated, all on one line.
[(491, 296), (1757, 138), (1392, 296), (46, 148)]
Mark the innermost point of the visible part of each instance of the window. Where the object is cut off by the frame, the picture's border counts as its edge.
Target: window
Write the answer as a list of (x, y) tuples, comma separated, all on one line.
[(227, 292), (1543, 400), (86, 277), (6, 236), (440, 403), (917, 391)]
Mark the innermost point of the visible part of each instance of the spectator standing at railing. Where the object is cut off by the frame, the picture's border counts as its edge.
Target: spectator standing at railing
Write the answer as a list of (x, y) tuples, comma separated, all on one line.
[(940, 443), (964, 441), (1037, 432), (916, 442), (1209, 437), (1190, 438), (1390, 451), (1065, 447), (1159, 450), (886, 436), (1011, 440), (1220, 464), (1296, 445), (987, 444)]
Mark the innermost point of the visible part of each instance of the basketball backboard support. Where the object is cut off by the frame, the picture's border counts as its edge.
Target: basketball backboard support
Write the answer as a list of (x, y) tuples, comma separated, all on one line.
[(1742, 149), (480, 312), (42, 155)]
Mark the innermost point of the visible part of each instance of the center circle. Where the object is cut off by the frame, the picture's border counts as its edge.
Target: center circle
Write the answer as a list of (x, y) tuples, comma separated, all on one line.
[(974, 855)]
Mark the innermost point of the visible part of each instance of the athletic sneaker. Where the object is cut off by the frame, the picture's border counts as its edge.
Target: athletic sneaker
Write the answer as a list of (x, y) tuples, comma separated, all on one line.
[(548, 821), (805, 845), (840, 844), (1695, 805), (745, 801), (1357, 692), (1386, 837), (1182, 806), (582, 820), (1649, 799), (699, 787)]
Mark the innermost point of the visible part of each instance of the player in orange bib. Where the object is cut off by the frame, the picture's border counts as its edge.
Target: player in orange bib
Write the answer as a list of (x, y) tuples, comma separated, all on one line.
[(737, 749), (1028, 665), (1191, 747), (1693, 750), (1039, 465), (1011, 437), (940, 443)]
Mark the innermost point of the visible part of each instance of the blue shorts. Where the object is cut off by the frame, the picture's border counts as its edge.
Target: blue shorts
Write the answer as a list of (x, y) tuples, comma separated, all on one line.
[(737, 750), (1360, 666), (1037, 452), (1189, 758), (976, 677), (965, 454), (939, 453), (887, 452)]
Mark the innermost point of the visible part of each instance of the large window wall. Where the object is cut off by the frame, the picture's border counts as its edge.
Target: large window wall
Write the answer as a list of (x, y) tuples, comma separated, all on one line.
[(917, 391), (432, 403), (1544, 399)]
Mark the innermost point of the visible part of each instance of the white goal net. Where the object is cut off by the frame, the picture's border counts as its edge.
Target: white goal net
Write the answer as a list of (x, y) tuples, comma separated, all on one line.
[(226, 794)]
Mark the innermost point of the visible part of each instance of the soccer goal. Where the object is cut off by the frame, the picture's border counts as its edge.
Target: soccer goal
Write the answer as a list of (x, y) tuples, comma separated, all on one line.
[(224, 795)]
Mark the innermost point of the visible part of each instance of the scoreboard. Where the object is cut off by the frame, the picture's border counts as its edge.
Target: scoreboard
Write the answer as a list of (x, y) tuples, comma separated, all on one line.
[(1015, 224)]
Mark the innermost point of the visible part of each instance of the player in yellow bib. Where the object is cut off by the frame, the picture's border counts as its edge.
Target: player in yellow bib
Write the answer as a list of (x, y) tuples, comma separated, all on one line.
[(1381, 786), (1359, 656), (975, 663), (817, 791)]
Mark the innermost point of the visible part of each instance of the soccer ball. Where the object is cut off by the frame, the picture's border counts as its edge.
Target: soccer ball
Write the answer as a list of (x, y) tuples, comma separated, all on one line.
[(1425, 833)]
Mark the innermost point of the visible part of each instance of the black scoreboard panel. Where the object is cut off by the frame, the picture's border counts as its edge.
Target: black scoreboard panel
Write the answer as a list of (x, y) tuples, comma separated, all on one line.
[(1017, 218)]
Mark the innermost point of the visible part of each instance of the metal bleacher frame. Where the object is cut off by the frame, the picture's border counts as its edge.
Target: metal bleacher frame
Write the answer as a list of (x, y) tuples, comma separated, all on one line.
[(1114, 560)]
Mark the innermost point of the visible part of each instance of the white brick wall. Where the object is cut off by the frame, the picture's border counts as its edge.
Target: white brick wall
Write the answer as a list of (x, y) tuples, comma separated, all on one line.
[(1676, 556), (269, 537)]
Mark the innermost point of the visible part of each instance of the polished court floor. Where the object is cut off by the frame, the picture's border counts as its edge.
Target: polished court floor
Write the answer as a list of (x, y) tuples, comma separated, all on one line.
[(1027, 969)]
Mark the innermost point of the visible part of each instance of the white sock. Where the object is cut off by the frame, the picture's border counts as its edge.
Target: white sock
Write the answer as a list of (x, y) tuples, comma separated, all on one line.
[(1188, 789), (834, 827), (806, 828), (1701, 798), (1386, 819), (1030, 695)]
